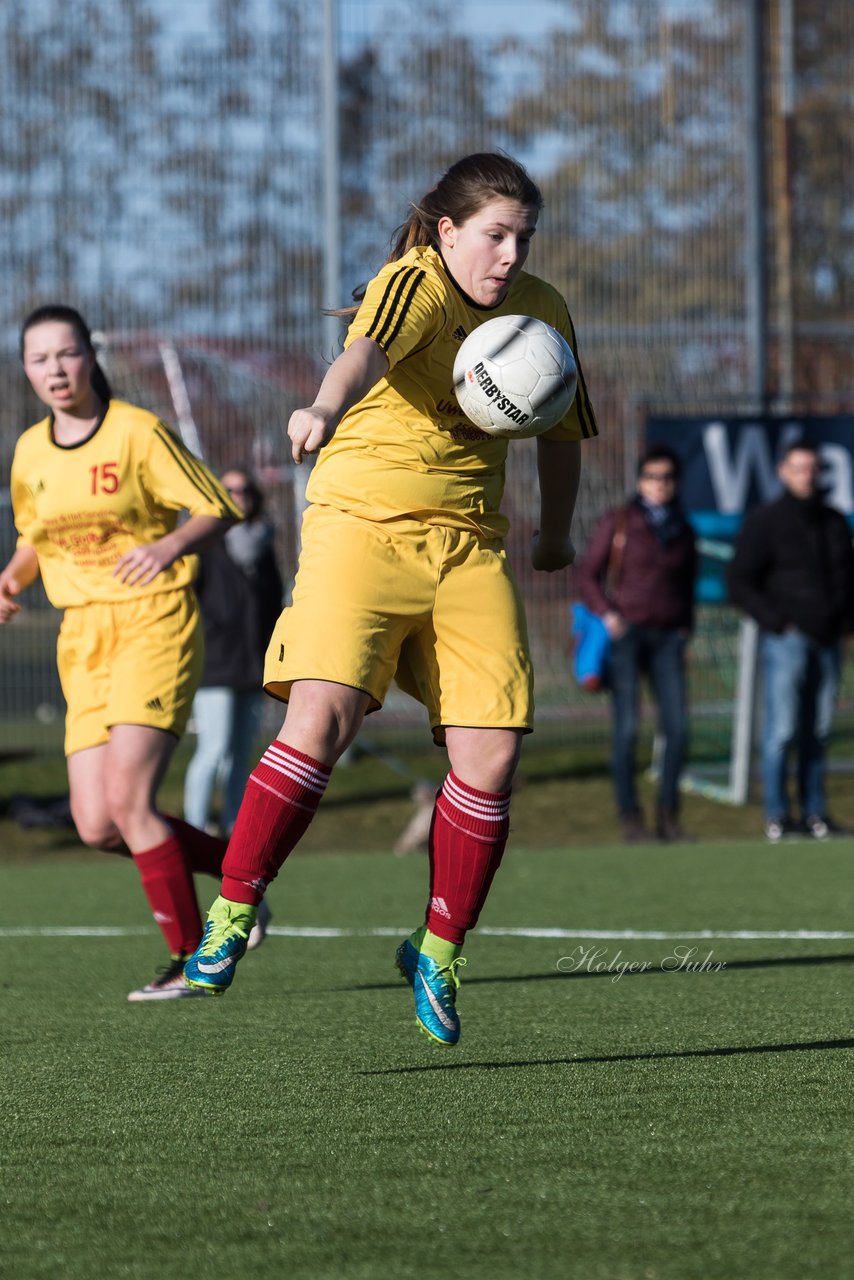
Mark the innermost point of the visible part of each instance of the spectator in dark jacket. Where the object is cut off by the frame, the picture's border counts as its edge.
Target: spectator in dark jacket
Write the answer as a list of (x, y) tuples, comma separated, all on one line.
[(638, 573), (240, 593), (793, 573)]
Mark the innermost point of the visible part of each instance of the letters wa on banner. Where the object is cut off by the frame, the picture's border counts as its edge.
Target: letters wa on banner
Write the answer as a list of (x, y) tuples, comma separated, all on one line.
[(730, 463)]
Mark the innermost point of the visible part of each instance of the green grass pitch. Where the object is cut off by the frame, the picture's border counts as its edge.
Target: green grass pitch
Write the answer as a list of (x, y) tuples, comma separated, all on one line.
[(664, 1124)]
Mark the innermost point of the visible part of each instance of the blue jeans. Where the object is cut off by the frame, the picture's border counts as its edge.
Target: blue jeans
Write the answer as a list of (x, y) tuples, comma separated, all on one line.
[(801, 681), (658, 652), (228, 722)]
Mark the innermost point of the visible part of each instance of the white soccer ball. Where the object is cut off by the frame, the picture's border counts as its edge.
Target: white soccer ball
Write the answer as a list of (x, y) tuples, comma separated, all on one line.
[(515, 376)]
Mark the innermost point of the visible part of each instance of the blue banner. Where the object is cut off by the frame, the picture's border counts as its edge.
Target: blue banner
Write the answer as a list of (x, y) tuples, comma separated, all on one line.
[(730, 464)]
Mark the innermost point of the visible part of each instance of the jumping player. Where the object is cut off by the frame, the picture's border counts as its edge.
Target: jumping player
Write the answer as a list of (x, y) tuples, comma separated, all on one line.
[(97, 486), (403, 572)]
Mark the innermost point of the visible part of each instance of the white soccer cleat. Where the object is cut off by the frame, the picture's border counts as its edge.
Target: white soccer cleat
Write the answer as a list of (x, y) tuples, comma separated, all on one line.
[(168, 985)]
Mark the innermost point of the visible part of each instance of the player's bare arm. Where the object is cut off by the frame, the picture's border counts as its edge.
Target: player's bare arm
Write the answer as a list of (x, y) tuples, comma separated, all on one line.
[(559, 471), (348, 379), (21, 571), (141, 565)]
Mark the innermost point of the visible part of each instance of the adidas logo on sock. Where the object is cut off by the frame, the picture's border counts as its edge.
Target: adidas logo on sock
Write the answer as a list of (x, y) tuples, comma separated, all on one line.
[(154, 704), (459, 333), (440, 906)]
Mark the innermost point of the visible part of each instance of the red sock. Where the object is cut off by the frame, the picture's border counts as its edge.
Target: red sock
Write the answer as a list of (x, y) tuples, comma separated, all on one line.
[(202, 853), (467, 841), (168, 885), (281, 798)]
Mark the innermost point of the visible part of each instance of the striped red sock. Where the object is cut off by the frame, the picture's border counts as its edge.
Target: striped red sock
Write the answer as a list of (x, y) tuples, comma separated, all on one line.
[(281, 798), (467, 842), (168, 885), (203, 853)]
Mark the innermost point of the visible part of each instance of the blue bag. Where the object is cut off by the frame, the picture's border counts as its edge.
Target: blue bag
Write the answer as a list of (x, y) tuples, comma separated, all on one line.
[(591, 641), (591, 646)]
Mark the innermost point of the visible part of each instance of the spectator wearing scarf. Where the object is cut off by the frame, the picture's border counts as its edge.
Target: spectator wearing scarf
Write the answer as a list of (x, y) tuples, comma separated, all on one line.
[(648, 609)]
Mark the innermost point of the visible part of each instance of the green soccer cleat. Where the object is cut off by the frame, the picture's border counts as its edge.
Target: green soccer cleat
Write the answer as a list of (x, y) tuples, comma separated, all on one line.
[(212, 965)]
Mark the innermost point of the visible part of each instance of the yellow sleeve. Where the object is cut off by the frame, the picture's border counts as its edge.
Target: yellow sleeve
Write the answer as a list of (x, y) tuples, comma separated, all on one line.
[(23, 507), (175, 478), (401, 310), (580, 422)]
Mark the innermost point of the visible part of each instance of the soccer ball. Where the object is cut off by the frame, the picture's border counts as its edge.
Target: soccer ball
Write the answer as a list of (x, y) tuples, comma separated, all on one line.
[(515, 376)]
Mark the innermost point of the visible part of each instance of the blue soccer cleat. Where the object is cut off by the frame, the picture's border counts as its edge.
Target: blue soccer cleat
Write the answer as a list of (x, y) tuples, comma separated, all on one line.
[(435, 988), (224, 942), (436, 998)]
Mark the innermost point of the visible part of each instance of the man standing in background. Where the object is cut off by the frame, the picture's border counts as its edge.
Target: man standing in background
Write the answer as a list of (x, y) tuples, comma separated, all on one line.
[(793, 573)]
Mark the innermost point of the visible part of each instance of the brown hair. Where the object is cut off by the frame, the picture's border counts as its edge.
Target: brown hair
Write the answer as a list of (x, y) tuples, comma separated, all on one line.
[(461, 192)]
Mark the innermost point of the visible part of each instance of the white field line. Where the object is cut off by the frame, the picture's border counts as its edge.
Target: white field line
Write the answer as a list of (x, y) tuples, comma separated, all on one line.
[(311, 931)]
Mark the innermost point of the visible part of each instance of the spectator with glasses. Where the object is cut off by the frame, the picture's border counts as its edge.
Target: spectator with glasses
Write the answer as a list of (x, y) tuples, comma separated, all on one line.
[(638, 574)]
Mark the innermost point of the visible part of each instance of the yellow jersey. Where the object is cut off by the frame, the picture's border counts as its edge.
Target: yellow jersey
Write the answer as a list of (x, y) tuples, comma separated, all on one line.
[(407, 449), (80, 507)]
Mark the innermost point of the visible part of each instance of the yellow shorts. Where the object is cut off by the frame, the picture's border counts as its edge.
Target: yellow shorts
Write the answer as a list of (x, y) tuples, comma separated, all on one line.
[(435, 608), (138, 662)]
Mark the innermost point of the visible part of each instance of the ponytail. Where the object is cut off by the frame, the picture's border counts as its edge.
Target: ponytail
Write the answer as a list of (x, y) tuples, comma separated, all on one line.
[(100, 383)]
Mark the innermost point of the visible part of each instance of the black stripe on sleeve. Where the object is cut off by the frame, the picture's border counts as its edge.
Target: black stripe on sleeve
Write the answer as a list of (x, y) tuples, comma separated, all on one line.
[(378, 317), (192, 468), (586, 416), (407, 302), (385, 316), (187, 461), (379, 310)]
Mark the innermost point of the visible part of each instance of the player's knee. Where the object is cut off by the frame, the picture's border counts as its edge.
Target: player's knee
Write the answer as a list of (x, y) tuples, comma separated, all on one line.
[(502, 771), (323, 719), (121, 813), (98, 831), (125, 806), (486, 760)]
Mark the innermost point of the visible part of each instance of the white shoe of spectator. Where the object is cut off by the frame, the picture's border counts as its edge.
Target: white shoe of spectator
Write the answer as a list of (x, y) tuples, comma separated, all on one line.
[(258, 932)]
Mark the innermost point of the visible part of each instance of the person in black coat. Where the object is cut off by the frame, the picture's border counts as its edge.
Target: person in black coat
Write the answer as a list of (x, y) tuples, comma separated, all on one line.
[(240, 589), (793, 573)]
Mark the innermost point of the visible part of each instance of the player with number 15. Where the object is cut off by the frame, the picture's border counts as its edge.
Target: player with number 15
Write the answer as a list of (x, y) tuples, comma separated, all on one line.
[(97, 487)]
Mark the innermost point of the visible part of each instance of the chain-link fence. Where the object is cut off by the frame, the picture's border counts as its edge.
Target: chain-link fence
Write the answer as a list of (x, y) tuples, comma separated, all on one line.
[(197, 178)]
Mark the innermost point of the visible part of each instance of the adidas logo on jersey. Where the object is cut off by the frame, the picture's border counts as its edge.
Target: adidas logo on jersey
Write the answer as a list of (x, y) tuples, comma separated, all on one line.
[(459, 333), (154, 704)]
